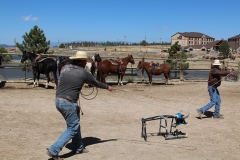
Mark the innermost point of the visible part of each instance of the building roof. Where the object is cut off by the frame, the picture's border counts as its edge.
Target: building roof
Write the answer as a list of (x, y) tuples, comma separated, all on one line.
[(208, 45), (234, 45), (193, 34), (235, 37), (211, 44)]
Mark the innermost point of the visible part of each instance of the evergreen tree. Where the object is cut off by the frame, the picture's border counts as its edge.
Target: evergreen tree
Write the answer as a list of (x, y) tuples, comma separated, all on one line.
[(62, 46), (34, 41), (144, 43), (175, 54), (5, 58), (224, 49)]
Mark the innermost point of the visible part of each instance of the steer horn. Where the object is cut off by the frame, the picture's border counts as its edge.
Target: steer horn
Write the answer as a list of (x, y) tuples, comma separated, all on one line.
[(186, 116)]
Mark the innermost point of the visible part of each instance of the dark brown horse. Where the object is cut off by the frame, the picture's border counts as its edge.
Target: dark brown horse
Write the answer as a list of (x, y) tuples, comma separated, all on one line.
[(105, 67), (158, 70), (91, 67)]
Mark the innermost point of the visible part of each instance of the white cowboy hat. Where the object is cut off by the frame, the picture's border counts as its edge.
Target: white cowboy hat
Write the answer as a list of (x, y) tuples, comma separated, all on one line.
[(81, 55), (216, 62)]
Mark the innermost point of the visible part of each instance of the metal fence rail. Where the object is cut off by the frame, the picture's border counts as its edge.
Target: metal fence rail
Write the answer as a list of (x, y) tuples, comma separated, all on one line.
[(15, 72)]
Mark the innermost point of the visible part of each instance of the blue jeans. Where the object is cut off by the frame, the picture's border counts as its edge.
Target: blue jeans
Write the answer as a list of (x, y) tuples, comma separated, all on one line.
[(70, 112), (214, 100)]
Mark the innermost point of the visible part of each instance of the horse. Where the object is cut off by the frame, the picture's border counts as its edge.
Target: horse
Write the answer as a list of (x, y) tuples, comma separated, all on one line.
[(43, 66), (91, 67), (105, 67), (164, 68)]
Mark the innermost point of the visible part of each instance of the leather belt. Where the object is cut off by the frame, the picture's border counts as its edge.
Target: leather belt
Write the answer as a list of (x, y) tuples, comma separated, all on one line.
[(63, 99)]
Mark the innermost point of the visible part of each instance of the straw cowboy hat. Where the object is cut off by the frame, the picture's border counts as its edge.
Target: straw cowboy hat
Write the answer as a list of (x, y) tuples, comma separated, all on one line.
[(81, 55), (216, 62)]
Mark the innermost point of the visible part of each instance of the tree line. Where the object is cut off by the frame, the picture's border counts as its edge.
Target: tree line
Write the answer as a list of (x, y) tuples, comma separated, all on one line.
[(108, 43)]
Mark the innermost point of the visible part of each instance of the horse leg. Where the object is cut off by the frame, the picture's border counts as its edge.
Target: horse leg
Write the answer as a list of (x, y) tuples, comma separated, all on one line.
[(103, 78), (166, 78), (150, 79), (48, 79), (55, 79), (51, 76), (38, 76), (118, 79), (142, 75), (121, 79), (169, 75), (34, 78)]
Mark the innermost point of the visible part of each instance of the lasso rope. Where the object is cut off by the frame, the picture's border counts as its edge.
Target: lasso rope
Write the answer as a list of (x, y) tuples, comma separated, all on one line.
[(85, 95), (210, 86), (188, 101)]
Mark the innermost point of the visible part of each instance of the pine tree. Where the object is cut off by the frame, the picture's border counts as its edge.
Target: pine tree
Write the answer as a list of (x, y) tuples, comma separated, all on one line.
[(34, 41)]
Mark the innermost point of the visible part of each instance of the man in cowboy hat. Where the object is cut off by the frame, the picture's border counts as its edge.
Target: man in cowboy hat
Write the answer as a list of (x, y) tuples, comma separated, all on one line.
[(214, 81), (72, 78)]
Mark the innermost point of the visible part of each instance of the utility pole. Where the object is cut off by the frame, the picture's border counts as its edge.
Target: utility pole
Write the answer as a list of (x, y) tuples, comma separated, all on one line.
[(125, 42), (160, 42)]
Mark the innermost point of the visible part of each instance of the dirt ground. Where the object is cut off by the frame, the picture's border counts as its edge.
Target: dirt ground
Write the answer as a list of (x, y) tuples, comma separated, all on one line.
[(111, 123)]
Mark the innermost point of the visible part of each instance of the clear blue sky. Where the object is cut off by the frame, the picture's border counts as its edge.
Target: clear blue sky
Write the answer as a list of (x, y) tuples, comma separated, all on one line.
[(118, 20)]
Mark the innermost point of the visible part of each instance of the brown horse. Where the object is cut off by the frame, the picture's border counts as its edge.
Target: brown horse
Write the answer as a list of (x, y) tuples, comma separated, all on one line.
[(164, 68), (105, 67)]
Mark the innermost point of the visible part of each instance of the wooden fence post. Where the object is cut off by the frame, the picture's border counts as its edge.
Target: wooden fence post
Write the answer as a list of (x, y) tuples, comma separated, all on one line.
[(223, 65), (238, 71), (181, 71)]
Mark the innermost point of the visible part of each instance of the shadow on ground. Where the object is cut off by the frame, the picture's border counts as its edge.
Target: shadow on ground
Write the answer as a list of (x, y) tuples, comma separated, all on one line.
[(87, 141)]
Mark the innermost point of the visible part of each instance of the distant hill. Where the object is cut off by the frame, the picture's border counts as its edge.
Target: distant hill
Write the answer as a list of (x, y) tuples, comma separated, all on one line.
[(6, 46)]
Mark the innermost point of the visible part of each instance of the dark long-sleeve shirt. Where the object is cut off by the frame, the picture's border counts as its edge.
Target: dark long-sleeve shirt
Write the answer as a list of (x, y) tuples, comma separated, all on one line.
[(215, 75), (72, 78)]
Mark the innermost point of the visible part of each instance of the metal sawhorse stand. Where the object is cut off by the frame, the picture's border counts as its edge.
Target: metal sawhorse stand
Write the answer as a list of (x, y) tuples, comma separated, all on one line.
[(168, 135)]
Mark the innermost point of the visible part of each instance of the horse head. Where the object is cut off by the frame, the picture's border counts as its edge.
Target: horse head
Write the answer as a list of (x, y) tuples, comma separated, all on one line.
[(139, 66), (28, 55), (131, 59), (24, 56), (97, 58)]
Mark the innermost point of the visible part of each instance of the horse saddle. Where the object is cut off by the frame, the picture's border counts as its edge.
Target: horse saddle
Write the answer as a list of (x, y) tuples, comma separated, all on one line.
[(159, 66), (115, 62), (118, 64), (155, 67), (38, 60)]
